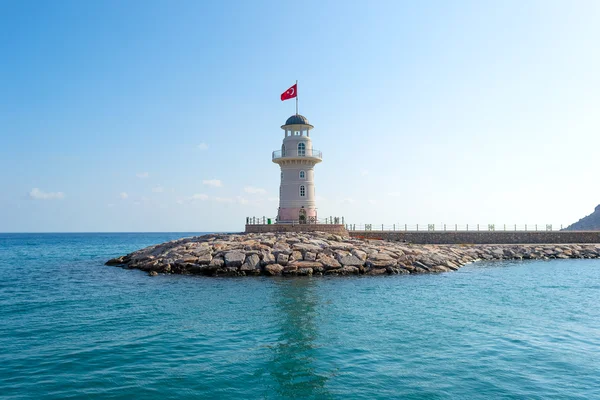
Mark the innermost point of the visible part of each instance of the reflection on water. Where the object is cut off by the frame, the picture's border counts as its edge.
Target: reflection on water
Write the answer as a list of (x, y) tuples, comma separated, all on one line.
[(294, 364)]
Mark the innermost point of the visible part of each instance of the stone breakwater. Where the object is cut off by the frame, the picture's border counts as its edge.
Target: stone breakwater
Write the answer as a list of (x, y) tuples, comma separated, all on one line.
[(318, 253)]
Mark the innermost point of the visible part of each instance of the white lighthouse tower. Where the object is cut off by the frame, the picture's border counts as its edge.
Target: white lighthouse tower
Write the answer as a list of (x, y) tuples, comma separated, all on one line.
[(297, 160)]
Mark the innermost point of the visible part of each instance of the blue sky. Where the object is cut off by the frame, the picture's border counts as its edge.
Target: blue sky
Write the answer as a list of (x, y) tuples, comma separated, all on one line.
[(161, 116)]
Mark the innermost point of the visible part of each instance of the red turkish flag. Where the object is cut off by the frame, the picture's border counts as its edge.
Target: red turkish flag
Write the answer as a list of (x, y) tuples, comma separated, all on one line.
[(290, 93)]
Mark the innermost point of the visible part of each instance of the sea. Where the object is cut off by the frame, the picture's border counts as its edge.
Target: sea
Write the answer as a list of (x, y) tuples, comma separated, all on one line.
[(73, 328)]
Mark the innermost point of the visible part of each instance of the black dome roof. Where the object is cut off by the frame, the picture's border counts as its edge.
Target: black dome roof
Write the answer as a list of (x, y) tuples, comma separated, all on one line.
[(297, 119)]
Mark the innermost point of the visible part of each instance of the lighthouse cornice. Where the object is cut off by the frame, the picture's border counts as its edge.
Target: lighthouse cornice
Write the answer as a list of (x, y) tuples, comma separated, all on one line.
[(297, 127)]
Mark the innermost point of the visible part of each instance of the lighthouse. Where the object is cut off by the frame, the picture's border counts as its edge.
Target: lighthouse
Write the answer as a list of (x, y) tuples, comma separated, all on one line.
[(297, 160)]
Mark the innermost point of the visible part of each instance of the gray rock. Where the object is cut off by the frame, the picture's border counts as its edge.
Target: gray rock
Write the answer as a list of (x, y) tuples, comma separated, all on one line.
[(351, 261), (273, 269), (418, 264), (304, 247), (234, 259), (305, 271), (329, 262), (380, 260), (189, 258), (498, 253), (204, 258), (339, 254), (296, 255), (252, 262), (361, 255), (267, 258), (290, 269), (349, 270), (217, 262), (281, 248), (282, 259)]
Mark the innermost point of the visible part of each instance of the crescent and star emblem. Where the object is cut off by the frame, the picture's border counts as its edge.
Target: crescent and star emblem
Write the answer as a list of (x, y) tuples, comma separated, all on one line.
[(291, 91)]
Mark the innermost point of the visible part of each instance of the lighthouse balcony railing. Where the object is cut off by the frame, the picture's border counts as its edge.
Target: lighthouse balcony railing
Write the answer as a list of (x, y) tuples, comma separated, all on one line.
[(309, 153)]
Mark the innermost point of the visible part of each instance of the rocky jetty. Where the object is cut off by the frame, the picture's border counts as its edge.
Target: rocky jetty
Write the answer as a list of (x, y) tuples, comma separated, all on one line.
[(318, 253), (588, 223)]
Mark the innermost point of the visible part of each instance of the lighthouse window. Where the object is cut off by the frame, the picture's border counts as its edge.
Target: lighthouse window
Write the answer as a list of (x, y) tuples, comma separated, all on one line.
[(301, 149), (302, 191), (283, 150), (302, 175)]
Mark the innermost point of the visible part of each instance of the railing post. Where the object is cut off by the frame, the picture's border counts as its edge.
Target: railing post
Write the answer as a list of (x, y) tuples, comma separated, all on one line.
[(405, 228), (467, 227), (382, 227), (444, 227), (394, 227), (536, 227), (417, 227), (456, 227)]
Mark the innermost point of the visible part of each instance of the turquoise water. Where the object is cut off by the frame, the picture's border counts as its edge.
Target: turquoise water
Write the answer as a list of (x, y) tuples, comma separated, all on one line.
[(71, 327)]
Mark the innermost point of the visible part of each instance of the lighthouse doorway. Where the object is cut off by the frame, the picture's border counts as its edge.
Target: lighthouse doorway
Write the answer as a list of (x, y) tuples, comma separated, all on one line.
[(302, 216)]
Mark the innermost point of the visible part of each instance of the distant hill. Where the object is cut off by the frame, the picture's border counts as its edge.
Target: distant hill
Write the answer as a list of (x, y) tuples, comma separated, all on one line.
[(589, 223)]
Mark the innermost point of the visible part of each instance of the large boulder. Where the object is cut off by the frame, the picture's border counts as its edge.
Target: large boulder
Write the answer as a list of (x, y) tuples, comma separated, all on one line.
[(351, 261), (273, 269), (204, 257), (282, 259), (234, 259), (252, 262), (216, 263), (267, 258), (304, 247), (361, 255), (329, 262), (380, 260), (296, 255)]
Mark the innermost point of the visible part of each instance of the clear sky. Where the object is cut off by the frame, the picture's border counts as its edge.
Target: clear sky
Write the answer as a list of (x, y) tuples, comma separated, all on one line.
[(162, 115)]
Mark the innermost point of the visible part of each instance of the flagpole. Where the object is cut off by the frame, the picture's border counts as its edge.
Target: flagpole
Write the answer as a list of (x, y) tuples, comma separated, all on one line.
[(296, 97)]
